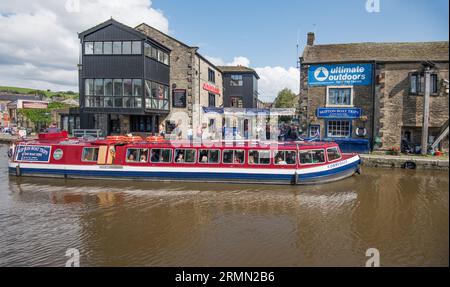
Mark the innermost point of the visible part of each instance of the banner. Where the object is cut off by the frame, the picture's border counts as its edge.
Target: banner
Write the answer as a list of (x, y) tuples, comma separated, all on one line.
[(33, 153), (340, 75)]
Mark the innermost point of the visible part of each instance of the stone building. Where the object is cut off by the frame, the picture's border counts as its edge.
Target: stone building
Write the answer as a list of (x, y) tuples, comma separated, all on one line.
[(373, 92), (195, 83)]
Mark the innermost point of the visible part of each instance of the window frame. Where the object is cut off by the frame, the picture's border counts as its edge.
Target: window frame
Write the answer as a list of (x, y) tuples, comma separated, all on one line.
[(259, 158), (327, 99), (209, 150), (161, 162), (340, 154), (94, 148), (139, 156), (419, 77), (327, 129), (234, 151), (236, 83), (313, 163), (275, 152), (184, 155)]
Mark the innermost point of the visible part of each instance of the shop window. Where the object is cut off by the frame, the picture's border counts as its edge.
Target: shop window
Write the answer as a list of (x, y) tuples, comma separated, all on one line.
[(90, 154), (417, 83), (236, 81), (341, 96), (314, 131), (333, 154), (284, 157), (208, 156), (137, 155), (185, 155), (259, 157), (233, 156), (338, 128), (161, 155), (311, 156)]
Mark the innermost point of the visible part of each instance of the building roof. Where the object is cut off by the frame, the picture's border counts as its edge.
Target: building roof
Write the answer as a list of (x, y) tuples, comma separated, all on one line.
[(238, 69), (382, 52), (15, 97)]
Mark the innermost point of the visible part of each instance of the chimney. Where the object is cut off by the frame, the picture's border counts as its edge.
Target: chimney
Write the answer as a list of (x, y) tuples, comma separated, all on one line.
[(310, 39)]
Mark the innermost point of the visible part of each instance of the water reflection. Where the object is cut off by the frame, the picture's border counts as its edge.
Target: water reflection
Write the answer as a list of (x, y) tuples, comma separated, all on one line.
[(126, 223)]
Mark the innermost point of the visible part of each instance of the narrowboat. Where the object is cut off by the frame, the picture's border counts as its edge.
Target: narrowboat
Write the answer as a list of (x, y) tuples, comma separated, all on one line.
[(153, 158)]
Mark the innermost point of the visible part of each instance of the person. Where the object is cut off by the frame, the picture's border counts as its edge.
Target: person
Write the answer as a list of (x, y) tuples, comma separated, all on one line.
[(52, 129), (131, 157), (154, 157), (144, 158), (180, 157), (236, 159), (251, 159), (162, 130), (204, 159), (190, 133)]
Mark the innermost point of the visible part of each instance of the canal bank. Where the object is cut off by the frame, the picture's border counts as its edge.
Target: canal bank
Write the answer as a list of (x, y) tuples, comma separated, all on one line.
[(405, 161)]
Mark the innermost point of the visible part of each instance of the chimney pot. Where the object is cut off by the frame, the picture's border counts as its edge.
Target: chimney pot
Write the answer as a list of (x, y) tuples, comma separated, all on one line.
[(310, 39)]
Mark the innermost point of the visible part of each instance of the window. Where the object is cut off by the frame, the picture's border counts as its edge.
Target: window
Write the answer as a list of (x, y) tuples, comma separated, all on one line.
[(160, 56), (312, 156), (166, 58), (208, 156), (179, 98), (107, 48), (147, 50), (161, 155), (98, 47), (108, 93), (117, 48), (137, 88), (98, 84), (314, 131), (185, 155), (339, 97), (285, 157), (127, 88), (154, 53), (90, 154), (136, 47), (338, 128), (89, 87), (233, 156), (211, 75), (417, 84), (126, 47), (156, 96), (259, 157), (236, 102), (89, 48), (333, 154), (211, 100), (137, 155), (236, 80)]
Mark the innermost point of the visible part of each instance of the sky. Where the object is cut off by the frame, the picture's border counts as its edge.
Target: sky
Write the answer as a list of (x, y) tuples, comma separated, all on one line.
[(39, 47)]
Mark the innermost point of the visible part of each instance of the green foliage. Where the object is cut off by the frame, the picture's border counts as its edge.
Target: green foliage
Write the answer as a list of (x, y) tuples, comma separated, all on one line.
[(41, 116), (286, 99), (47, 93)]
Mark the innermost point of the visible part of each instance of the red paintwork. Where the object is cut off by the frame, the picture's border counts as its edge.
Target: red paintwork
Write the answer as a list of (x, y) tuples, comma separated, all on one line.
[(72, 150)]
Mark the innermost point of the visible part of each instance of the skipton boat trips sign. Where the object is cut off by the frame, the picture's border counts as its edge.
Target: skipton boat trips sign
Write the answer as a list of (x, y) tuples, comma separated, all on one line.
[(338, 113), (30, 153), (339, 75)]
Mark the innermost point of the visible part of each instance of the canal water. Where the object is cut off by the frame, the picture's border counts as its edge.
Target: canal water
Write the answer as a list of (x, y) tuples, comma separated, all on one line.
[(402, 213)]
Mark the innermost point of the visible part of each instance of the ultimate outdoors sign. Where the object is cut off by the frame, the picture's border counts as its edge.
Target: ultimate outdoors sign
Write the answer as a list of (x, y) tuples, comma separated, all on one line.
[(340, 75)]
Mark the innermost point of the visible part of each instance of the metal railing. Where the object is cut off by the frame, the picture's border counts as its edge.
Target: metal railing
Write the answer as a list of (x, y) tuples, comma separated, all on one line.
[(87, 133)]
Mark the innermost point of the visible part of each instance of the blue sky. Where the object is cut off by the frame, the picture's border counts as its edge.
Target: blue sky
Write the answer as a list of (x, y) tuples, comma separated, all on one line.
[(39, 46), (266, 31)]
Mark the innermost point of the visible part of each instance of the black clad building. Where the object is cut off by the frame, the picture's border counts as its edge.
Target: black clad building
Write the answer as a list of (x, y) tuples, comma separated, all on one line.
[(240, 87), (123, 80)]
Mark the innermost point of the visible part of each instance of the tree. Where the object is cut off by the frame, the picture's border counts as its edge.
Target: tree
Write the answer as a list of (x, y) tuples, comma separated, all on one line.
[(286, 99)]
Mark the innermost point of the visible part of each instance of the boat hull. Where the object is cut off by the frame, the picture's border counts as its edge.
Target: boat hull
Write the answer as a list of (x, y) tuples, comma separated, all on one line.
[(314, 175)]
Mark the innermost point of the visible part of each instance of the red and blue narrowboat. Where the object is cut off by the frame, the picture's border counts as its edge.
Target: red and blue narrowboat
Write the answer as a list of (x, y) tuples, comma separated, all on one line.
[(152, 158)]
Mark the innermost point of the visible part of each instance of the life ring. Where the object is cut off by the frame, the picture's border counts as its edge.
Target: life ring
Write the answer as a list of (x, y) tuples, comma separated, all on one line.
[(134, 139), (116, 138), (361, 131), (154, 138)]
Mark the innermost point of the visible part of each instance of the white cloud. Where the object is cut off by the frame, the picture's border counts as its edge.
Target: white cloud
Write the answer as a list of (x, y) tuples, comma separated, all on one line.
[(272, 79), (39, 46)]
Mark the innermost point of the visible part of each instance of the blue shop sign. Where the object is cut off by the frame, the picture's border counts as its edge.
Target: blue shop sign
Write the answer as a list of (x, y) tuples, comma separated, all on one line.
[(340, 75), (33, 153), (338, 113)]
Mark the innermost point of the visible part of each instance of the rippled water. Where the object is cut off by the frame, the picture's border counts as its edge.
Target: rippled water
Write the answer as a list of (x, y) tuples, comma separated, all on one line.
[(402, 213)]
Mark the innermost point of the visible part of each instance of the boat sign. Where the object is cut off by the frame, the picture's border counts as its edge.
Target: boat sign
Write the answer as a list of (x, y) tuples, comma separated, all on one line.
[(339, 75), (338, 113), (33, 153)]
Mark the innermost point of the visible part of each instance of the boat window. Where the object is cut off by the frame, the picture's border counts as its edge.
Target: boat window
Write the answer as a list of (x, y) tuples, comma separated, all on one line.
[(161, 155), (312, 156), (208, 156), (259, 157), (284, 157), (233, 156), (185, 155), (90, 154), (333, 154), (137, 155)]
